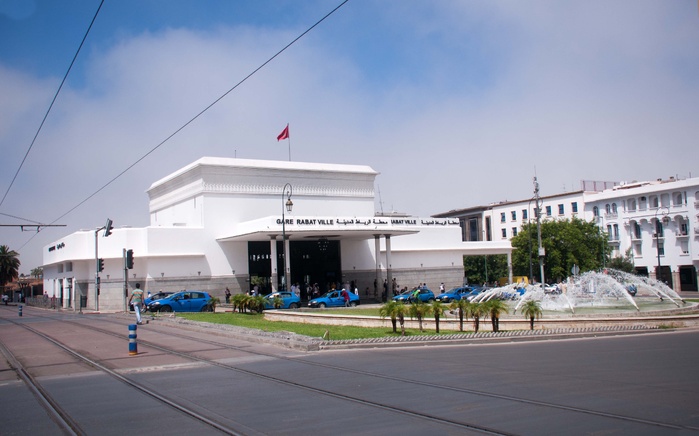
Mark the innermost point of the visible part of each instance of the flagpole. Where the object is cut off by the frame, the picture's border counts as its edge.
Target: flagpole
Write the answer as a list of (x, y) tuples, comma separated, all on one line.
[(289, 139)]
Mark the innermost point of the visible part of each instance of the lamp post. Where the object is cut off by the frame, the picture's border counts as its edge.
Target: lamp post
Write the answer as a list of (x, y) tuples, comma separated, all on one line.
[(658, 229), (288, 205)]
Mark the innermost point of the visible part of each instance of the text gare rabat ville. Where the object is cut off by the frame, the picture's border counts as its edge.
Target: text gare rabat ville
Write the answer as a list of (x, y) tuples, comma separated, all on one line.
[(331, 222)]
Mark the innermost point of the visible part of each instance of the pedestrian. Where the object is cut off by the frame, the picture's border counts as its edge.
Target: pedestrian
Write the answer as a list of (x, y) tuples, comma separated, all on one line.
[(441, 287), (137, 300), (228, 295), (5, 298), (346, 296)]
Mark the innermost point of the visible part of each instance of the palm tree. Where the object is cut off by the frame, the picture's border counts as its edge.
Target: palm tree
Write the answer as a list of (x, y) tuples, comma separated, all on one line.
[(437, 309), (532, 309), (394, 310), (463, 306), (495, 308), (477, 311), (9, 265), (213, 301), (419, 310), (277, 301), (37, 273), (257, 303)]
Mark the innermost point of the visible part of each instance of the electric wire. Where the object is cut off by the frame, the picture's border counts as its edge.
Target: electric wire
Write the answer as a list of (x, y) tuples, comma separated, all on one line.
[(178, 130), (65, 77)]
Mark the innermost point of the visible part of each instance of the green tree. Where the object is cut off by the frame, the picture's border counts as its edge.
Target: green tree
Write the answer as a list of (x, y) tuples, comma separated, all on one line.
[(495, 308), (212, 303), (478, 311), (567, 243), (9, 265), (623, 263), (37, 273), (532, 309), (481, 269), (395, 311), (437, 308), (277, 301), (419, 310), (463, 306)]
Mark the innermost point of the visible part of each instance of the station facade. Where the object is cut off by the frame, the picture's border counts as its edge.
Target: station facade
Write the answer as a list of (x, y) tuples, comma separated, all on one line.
[(231, 223)]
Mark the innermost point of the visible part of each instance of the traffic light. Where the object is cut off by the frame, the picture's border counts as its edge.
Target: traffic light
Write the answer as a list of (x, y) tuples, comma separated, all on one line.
[(108, 228), (129, 259), (100, 264)]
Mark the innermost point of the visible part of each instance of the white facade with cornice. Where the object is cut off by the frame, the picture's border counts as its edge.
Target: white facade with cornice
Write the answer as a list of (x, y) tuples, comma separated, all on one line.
[(217, 223)]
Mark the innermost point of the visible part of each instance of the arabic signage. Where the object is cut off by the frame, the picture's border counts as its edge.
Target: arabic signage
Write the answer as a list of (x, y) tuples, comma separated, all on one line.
[(383, 222)]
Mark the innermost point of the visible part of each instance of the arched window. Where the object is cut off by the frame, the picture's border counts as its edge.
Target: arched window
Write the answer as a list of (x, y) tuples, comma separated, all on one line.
[(678, 199), (607, 208), (595, 211), (632, 204), (613, 207)]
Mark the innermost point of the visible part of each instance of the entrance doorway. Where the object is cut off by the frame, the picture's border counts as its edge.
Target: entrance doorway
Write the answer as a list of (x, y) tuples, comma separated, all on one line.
[(313, 261), (688, 278)]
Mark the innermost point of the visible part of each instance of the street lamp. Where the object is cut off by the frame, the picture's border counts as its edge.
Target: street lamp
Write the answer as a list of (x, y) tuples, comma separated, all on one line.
[(658, 229), (288, 205)]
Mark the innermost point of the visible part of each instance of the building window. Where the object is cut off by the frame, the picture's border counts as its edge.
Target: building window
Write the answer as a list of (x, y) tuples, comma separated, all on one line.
[(514, 231), (607, 209), (614, 210), (595, 211), (514, 215), (502, 217), (661, 248), (632, 204), (574, 206), (561, 210), (637, 251), (473, 229), (685, 247), (524, 214), (548, 210), (636, 230), (504, 233), (659, 229), (616, 232)]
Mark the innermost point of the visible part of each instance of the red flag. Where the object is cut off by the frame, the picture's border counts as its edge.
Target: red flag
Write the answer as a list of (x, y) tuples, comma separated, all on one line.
[(284, 134)]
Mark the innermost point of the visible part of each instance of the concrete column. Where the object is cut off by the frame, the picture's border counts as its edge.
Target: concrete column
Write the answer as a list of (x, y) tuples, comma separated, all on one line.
[(389, 269), (273, 261), (377, 249)]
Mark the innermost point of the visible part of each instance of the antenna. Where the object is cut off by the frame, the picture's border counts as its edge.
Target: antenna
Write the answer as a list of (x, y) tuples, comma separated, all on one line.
[(378, 188)]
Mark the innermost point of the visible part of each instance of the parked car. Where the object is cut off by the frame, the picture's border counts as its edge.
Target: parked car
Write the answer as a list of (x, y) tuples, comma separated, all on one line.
[(455, 294), (631, 289), (185, 301), (149, 300), (289, 299), (333, 299), (425, 296)]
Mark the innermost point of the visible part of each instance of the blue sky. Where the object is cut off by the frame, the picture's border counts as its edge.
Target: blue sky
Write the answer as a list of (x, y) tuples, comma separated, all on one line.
[(455, 103)]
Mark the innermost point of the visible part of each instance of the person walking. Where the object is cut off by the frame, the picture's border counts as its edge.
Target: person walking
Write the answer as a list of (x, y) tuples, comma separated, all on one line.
[(228, 295), (137, 299)]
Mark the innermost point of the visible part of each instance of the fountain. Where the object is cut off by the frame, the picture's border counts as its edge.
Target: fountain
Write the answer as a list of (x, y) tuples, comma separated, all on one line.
[(592, 290)]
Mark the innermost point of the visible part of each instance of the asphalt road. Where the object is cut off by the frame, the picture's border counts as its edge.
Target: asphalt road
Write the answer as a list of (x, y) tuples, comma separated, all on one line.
[(631, 385)]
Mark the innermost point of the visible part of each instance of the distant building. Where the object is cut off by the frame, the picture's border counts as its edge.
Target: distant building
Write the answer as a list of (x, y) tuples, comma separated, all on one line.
[(657, 221)]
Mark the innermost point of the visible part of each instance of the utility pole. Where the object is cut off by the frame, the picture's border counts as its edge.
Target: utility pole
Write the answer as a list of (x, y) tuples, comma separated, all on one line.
[(542, 251)]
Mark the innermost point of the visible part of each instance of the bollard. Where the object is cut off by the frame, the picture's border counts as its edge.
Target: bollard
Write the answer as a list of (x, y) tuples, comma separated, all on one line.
[(133, 345), (20, 310)]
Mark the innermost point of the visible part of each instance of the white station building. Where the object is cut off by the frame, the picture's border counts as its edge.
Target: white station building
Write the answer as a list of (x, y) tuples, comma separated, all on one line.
[(223, 222)]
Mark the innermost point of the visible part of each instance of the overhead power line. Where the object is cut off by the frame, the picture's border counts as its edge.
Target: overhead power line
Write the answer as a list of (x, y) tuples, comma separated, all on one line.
[(51, 105), (196, 116)]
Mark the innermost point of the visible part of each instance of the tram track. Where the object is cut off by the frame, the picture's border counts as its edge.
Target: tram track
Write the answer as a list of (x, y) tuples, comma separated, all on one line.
[(394, 409), (343, 397)]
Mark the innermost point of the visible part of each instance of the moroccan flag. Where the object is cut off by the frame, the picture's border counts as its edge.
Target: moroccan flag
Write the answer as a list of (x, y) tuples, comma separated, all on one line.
[(284, 134)]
